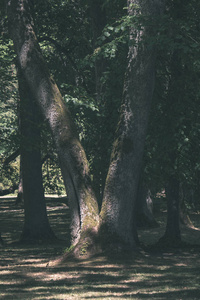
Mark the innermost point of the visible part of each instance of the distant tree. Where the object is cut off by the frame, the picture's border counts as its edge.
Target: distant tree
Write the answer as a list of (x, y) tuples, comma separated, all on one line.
[(36, 224), (1, 241), (172, 143), (144, 207)]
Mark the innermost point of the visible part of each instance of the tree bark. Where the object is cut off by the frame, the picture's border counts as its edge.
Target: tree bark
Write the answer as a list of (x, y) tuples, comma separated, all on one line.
[(11, 157), (121, 187), (172, 234), (1, 241), (20, 186), (73, 162), (36, 224), (184, 217)]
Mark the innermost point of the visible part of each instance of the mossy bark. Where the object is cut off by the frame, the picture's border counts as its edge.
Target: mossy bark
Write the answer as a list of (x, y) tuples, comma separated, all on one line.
[(73, 162), (117, 212)]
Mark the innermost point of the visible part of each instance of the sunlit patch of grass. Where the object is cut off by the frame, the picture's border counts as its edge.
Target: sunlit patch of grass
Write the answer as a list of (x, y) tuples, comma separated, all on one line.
[(24, 273)]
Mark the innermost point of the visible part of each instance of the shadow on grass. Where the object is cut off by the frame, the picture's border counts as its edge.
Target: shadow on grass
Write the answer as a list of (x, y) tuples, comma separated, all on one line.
[(172, 273)]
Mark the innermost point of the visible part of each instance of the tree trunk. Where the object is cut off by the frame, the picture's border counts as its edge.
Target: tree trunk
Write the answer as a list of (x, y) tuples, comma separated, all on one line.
[(144, 207), (20, 186), (121, 187), (184, 217), (11, 157), (1, 241), (73, 162), (172, 234), (36, 225)]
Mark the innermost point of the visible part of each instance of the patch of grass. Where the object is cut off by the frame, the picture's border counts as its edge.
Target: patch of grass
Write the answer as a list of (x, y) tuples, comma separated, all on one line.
[(171, 274)]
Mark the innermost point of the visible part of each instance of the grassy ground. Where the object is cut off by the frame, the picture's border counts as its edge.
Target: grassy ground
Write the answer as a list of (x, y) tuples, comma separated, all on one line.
[(24, 273)]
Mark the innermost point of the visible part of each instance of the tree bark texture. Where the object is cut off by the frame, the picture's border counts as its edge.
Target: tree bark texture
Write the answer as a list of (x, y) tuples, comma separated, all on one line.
[(172, 234), (36, 224), (124, 171), (184, 216), (73, 162), (175, 92)]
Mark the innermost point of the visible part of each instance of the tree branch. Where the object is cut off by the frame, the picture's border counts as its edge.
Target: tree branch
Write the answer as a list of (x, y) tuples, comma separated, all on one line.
[(11, 157)]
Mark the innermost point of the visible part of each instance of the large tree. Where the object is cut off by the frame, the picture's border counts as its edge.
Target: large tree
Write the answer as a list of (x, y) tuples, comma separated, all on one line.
[(118, 210), (73, 161), (117, 213)]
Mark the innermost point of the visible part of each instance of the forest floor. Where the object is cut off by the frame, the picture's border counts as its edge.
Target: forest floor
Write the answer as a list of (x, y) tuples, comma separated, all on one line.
[(24, 274)]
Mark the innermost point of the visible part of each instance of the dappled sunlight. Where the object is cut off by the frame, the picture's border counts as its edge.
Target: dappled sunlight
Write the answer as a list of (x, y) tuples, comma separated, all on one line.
[(25, 273), (84, 281)]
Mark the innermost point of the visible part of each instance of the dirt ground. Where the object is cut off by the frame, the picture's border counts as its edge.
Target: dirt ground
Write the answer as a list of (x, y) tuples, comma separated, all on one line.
[(24, 273)]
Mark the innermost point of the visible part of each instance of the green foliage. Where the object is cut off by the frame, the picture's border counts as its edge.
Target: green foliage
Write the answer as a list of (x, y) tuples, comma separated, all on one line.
[(8, 101), (9, 174), (85, 44), (9, 138), (173, 138), (52, 177)]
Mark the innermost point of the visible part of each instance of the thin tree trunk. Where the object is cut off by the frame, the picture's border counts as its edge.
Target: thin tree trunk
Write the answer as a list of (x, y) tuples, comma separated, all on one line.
[(184, 217), (11, 157), (144, 207), (172, 234), (175, 90), (121, 187), (1, 241), (8, 191), (20, 186), (73, 162), (36, 225)]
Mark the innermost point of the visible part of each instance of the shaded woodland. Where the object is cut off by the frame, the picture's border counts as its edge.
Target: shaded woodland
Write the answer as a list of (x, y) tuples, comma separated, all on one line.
[(100, 102)]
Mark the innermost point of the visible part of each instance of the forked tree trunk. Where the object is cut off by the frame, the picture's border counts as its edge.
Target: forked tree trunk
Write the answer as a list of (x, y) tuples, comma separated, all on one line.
[(122, 180), (73, 162), (121, 187), (36, 224)]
